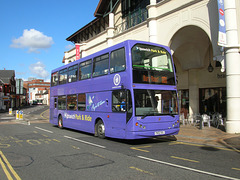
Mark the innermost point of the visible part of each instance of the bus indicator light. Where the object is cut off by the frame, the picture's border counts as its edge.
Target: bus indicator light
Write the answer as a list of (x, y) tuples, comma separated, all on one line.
[(108, 116)]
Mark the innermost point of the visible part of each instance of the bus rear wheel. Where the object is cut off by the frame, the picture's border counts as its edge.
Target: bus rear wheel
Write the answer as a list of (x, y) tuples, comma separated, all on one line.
[(60, 122), (100, 129)]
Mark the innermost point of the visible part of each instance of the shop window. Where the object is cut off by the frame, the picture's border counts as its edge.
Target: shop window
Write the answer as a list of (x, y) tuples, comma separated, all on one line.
[(184, 102), (72, 102), (212, 100)]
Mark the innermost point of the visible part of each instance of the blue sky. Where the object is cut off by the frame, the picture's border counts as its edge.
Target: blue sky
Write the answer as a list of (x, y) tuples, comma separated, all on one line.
[(33, 33)]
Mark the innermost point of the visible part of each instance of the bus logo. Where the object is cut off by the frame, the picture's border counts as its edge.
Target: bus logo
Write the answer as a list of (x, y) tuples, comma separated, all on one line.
[(117, 79)]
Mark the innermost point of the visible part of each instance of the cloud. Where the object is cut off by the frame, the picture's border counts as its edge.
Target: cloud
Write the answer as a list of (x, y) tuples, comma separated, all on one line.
[(33, 40), (70, 46), (21, 73), (39, 70)]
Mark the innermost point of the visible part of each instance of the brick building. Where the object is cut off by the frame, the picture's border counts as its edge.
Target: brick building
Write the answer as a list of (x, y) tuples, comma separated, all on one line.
[(7, 89)]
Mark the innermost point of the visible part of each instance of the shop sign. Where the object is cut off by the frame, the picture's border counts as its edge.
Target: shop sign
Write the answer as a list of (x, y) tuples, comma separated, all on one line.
[(221, 76), (5, 98)]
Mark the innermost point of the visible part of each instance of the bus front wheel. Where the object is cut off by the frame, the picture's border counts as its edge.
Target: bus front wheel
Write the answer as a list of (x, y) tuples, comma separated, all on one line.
[(100, 129), (60, 122)]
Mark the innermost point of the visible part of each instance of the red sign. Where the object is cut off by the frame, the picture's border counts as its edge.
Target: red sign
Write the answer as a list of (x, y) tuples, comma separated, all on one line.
[(221, 12), (77, 51)]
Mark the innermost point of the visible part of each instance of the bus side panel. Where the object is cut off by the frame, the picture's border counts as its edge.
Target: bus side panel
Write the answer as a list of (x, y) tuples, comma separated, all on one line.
[(99, 104), (116, 125)]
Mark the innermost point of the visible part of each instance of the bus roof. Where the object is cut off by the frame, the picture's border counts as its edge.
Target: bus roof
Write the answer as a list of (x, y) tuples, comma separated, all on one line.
[(98, 53)]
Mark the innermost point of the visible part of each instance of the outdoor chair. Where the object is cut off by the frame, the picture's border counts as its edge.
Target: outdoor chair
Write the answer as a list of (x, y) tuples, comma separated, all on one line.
[(205, 119), (217, 119), (196, 119), (182, 119), (190, 119)]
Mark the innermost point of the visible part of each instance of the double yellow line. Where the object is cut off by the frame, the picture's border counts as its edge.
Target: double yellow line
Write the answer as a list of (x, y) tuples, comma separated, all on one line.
[(3, 161)]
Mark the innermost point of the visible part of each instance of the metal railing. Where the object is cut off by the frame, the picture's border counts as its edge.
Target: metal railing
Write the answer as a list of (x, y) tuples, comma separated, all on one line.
[(132, 20)]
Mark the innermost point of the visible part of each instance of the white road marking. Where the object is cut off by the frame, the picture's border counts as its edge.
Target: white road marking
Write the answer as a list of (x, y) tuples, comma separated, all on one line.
[(85, 142), (7, 118), (187, 168), (43, 129)]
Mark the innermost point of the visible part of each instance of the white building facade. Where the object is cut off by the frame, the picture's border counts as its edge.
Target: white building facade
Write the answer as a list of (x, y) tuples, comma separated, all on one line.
[(39, 96), (208, 75)]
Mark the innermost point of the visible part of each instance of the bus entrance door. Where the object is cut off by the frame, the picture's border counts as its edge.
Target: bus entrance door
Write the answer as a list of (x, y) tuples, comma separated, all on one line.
[(53, 110)]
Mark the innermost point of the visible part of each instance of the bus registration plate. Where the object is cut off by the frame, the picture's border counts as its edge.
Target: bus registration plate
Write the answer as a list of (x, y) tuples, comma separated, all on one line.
[(159, 132)]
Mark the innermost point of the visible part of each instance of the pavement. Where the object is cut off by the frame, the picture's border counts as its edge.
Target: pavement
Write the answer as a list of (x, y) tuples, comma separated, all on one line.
[(210, 138)]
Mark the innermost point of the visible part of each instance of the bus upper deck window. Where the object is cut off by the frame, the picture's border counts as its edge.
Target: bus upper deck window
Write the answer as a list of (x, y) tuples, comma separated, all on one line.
[(54, 79), (117, 61)]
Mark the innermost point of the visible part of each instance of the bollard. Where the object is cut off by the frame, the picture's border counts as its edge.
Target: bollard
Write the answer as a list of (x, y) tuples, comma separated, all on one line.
[(21, 115), (10, 111), (17, 114)]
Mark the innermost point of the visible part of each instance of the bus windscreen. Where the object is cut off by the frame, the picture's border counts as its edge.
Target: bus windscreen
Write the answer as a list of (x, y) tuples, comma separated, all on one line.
[(155, 102), (152, 65)]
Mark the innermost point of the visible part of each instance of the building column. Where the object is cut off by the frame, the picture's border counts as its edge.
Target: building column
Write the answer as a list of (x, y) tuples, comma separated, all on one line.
[(193, 91), (232, 68), (83, 50), (152, 21), (110, 30)]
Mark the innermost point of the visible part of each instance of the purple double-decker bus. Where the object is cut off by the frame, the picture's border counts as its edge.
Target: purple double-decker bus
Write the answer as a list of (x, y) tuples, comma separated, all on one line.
[(126, 91)]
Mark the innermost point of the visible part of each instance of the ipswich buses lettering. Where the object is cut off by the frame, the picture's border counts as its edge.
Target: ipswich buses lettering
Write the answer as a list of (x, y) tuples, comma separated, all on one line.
[(78, 117), (152, 50)]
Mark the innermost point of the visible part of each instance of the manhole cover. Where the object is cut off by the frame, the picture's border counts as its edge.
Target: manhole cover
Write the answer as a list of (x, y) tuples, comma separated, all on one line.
[(82, 161), (18, 160)]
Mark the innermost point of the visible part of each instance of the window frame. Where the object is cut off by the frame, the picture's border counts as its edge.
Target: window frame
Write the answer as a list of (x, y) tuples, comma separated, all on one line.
[(54, 83), (118, 106), (84, 64), (60, 100), (63, 73), (112, 60), (83, 108), (71, 100), (73, 68), (98, 60)]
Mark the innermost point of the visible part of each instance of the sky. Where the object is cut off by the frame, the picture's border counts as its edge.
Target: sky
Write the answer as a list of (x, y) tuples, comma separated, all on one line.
[(33, 33)]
